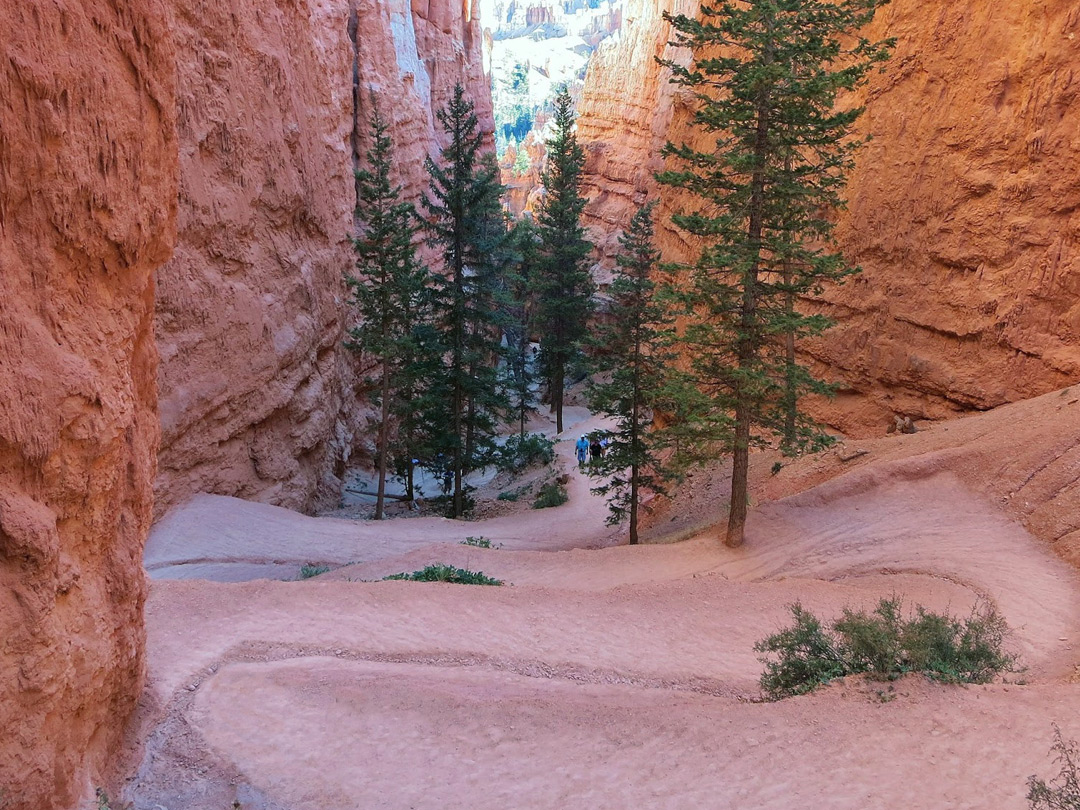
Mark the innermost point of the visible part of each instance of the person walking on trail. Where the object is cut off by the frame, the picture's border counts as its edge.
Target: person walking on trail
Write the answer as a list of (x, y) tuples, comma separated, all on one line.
[(596, 449), (582, 449)]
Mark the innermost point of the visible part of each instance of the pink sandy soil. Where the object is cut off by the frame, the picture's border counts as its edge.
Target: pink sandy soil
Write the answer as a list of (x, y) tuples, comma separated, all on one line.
[(609, 676)]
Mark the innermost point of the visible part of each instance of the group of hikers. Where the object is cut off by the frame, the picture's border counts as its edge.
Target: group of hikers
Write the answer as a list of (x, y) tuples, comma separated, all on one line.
[(591, 447)]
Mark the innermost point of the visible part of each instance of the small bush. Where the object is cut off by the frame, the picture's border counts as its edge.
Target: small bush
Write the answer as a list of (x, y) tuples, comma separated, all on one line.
[(447, 573), (444, 504), (871, 642), (885, 645), (807, 657), (518, 453), (512, 494), (1063, 792), (311, 570), (551, 494), (478, 542), (105, 803)]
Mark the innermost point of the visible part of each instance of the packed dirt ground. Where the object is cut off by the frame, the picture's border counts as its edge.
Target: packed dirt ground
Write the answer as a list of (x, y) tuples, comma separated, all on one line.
[(610, 676)]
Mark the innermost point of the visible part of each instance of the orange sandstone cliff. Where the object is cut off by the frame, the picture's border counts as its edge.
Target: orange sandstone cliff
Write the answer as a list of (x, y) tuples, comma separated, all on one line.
[(249, 309), (962, 210), (87, 213), (257, 396), (229, 130)]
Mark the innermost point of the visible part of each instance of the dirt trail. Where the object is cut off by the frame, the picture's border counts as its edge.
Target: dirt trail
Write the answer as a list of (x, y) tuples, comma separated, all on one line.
[(609, 677)]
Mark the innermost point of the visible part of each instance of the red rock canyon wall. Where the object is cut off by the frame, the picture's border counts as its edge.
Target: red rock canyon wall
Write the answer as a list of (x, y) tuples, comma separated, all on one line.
[(227, 128), (963, 210), (257, 396), (249, 310), (87, 213)]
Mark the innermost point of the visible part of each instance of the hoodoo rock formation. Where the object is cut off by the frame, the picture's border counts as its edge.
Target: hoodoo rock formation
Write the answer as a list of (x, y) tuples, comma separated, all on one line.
[(87, 213), (962, 209)]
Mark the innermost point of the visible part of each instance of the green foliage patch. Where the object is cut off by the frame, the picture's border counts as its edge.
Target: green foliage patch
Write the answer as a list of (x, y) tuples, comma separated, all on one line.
[(447, 573), (1062, 792), (311, 570), (551, 494), (519, 452), (885, 644), (478, 542)]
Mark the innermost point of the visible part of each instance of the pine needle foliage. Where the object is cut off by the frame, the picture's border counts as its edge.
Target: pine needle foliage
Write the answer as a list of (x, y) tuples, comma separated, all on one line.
[(633, 375), (465, 222), (766, 75), (524, 241), (563, 285), (389, 288)]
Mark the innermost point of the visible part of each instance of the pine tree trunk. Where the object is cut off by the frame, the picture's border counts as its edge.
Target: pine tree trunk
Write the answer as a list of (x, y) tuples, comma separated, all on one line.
[(740, 464), (557, 395), (457, 369), (384, 432), (635, 436), (748, 339)]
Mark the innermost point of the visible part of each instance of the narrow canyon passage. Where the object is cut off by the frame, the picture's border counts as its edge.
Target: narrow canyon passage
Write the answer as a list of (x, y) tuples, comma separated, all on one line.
[(616, 676)]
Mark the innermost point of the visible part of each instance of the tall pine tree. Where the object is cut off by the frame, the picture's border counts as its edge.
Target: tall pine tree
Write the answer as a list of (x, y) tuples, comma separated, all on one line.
[(563, 285), (766, 75), (465, 221), (388, 286), (634, 375), (521, 309)]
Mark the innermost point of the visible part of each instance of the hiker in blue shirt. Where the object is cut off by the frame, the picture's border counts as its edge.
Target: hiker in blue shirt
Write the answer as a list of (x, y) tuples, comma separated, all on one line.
[(582, 448)]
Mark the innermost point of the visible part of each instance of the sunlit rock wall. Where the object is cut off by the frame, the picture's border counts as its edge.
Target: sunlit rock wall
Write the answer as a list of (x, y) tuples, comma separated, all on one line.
[(962, 212)]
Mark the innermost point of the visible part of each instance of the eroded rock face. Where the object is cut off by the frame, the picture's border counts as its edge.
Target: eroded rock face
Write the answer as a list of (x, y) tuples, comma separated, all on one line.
[(258, 397), (87, 213), (249, 310), (962, 209), (411, 56)]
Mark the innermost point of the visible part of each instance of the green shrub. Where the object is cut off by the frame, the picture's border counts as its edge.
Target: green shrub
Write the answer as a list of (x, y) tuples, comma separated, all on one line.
[(884, 645), (1063, 792), (447, 573), (958, 652), (478, 542), (807, 657), (871, 642), (512, 494), (444, 504), (518, 453), (551, 494), (311, 570)]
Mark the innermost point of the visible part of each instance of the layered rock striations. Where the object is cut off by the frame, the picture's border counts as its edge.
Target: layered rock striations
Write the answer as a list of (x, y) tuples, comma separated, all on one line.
[(249, 310), (87, 213), (411, 56), (962, 209), (244, 137), (258, 398)]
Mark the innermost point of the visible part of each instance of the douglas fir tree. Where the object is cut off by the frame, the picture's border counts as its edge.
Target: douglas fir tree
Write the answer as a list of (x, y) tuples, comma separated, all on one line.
[(766, 75)]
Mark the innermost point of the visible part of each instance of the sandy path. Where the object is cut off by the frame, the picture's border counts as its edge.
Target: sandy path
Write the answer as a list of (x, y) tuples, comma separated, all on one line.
[(612, 677), (380, 736), (231, 540)]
